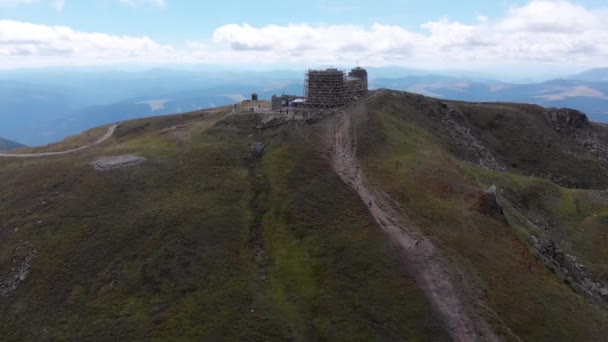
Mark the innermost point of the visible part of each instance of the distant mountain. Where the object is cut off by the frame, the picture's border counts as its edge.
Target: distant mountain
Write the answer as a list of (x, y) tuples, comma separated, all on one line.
[(586, 96), (6, 144), (39, 106), (593, 75), (145, 106), (33, 99)]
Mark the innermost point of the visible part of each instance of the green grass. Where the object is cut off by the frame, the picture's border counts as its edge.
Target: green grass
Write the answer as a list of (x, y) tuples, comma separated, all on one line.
[(522, 140), (439, 193), (572, 217), (162, 250), (332, 268), (166, 250)]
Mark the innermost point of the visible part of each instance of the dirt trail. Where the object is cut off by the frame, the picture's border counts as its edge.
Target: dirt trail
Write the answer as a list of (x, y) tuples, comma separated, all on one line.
[(105, 137), (420, 255)]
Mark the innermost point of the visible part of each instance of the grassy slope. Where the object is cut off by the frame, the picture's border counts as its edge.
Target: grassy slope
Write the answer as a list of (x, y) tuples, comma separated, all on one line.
[(577, 219), (327, 251), (440, 193), (520, 136), (164, 249)]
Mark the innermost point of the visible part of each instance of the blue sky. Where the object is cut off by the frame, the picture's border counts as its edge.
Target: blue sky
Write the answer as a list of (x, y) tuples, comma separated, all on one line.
[(178, 20), (428, 34)]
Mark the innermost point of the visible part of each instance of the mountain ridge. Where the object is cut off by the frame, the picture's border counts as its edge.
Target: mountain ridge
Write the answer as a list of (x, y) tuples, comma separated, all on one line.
[(6, 144), (596, 74), (242, 225)]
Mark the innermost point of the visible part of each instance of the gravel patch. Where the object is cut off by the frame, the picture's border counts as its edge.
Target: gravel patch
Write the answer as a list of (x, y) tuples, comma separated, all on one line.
[(117, 162)]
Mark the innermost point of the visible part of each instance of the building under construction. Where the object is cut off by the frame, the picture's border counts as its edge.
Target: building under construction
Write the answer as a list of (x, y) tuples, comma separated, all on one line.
[(332, 88)]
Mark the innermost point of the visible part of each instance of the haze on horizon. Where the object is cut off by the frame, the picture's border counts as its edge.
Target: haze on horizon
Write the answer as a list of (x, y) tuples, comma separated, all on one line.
[(521, 38)]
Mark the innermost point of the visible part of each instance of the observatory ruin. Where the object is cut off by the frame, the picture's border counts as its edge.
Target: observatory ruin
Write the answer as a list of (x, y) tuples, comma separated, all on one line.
[(329, 88), (332, 88)]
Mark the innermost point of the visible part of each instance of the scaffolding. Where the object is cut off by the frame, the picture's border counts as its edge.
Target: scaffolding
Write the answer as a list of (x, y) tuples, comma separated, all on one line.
[(331, 88), (361, 74), (355, 88), (325, 88)]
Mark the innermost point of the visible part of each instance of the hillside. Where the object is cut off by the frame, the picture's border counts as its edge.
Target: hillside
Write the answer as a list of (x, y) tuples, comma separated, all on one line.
[(586, 95), (6, 144), (400, 218)]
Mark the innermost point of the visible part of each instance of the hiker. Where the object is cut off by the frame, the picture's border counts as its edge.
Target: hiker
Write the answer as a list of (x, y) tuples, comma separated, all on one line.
[(417, 243), (370, 203)]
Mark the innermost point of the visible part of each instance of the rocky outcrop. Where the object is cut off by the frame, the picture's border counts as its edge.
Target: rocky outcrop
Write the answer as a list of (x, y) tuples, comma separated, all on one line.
[(454, 123), (256, 150), (566, 266), (22, 263), (571, 270), (487, 203), (577, 127), (564, 119)]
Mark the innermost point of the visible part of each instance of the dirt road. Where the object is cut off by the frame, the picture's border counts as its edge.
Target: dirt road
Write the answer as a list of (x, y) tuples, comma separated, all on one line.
[(105, 137), (420, 255)]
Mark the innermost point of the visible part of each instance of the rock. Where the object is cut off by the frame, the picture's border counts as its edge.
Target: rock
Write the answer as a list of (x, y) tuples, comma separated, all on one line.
[(565, 119), (570, 270), (257, 149), (21, 272), (577, 127), (487, 203), (454, 122), (492, 190)]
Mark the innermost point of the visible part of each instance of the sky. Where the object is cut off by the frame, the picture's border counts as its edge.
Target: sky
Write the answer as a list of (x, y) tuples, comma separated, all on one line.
[(504, 35)]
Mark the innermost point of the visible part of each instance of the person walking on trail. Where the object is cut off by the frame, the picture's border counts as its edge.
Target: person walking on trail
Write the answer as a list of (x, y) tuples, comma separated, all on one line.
[(370, 203)]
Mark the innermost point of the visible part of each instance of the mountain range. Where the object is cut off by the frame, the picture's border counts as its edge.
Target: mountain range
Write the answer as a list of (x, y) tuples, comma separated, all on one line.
[(42, 106)]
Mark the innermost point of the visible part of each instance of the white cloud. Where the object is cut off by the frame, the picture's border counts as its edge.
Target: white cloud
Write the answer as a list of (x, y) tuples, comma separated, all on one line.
[(550, 16), (25, 44), (541, 32)]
